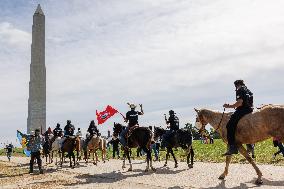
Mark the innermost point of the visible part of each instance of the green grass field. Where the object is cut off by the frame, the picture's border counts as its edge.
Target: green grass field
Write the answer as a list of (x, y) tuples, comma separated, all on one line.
[(212, 153)]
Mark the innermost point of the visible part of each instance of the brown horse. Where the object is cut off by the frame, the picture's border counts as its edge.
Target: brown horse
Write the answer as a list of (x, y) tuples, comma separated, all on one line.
[(69, 145), (265, 123), (139, 137), (94, 144)]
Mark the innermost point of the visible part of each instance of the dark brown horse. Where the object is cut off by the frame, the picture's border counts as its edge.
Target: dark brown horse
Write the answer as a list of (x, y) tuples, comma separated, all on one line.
[(181, 138), (69, 146), (139, 137)]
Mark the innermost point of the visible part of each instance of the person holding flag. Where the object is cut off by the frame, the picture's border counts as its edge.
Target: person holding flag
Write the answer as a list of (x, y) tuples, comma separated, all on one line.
[(132, 119)]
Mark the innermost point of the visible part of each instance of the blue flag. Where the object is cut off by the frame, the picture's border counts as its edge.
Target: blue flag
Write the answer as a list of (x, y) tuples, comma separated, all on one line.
[(23, 140)]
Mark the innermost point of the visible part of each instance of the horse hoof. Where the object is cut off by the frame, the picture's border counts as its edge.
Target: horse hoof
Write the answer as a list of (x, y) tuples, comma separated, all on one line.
[(176, 165), (130, 169), (165, 165), (221, 177), (146, 170), (190, 166), (258, 181), (153, 169)]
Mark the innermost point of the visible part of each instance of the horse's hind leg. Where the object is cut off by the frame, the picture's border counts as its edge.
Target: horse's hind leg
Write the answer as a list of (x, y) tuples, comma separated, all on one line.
[(129, 159), (243, 151), (190, 153), (225, 173)]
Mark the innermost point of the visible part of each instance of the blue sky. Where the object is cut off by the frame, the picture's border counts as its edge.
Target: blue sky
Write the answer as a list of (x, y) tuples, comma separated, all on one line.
[(165, 54)]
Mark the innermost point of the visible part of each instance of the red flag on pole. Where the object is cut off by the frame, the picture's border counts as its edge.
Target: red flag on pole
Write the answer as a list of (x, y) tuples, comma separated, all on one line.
[(104, 115)]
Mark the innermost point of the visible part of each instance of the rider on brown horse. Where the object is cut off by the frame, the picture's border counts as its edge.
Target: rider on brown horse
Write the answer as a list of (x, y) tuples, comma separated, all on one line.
[(243, 106), (92, 130), (132, 119)]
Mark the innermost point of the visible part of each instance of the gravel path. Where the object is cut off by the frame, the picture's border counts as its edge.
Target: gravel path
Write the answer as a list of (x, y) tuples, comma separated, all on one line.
[(111, 175)]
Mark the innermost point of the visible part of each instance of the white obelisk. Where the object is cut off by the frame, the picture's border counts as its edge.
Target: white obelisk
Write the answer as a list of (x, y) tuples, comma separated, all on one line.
[(37, 85)]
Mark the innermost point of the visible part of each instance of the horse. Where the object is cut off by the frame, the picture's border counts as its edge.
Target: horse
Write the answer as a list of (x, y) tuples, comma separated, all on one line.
[(260, 125), (56, 142), (47, 149), (181, 138), (137, 137), (69, 146), (79, 148), (93, 145)]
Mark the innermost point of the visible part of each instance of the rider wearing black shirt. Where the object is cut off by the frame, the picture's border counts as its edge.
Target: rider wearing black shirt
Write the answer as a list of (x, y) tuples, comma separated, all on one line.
[(57, 132), (173, 122), (243, 106), (132, 119)]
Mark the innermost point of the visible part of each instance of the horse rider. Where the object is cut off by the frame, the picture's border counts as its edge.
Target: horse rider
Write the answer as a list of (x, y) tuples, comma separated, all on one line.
[(173, 125), (132, 119), (34, 145), (92, 130), (68, 131), (57, 132), (79, 133), (243, 106)]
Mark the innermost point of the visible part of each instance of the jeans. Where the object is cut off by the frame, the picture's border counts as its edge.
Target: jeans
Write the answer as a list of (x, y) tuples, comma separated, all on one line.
[(154, 148), (233, 122), (33, 156), (122, 138)]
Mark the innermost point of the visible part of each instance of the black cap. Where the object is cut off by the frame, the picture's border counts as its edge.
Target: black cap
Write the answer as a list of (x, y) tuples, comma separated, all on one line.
[(239, 82), (171, 112)]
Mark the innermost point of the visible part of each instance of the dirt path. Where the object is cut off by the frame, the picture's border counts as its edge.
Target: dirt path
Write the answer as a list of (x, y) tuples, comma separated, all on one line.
[(14, 174)]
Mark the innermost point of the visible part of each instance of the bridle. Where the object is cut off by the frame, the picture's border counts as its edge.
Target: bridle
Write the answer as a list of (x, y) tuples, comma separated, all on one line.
[(218, 127)]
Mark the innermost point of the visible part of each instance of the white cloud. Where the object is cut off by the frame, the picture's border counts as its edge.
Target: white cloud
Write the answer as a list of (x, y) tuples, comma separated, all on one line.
[(13, 36), (165, 54)]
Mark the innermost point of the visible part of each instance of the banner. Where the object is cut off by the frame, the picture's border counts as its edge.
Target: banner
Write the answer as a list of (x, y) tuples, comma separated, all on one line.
[(106, 114), (23, 140)]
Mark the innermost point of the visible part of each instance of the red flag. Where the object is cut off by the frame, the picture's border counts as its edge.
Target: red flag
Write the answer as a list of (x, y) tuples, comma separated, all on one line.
[(104, 115)]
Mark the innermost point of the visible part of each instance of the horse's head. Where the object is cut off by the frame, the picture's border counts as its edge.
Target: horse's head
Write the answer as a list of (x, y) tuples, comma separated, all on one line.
[(117, 128), (158, 132), (201, 120)]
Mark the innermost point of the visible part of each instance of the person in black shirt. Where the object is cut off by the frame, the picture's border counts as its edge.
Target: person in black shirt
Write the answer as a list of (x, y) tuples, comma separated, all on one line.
[(57, 132), (173, 124), (243, 106), (69, 129), (132, 119), (92, 130)]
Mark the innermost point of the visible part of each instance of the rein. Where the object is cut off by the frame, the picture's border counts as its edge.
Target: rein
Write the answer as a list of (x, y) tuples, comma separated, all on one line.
[(221, 120)]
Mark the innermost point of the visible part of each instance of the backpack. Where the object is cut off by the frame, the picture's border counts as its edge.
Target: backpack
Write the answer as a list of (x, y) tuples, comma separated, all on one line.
[(249, 98)]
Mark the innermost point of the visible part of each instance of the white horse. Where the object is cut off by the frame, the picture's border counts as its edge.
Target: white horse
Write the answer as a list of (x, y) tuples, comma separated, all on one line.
[(56, 149)]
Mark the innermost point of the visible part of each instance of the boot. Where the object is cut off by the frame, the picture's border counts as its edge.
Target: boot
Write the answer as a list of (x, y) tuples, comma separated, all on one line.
[(31, 168), (232, 150), (40, 171)]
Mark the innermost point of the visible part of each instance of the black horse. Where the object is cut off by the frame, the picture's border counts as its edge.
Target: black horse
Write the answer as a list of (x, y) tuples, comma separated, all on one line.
[(47, 149), (138, 137), (180, 138)]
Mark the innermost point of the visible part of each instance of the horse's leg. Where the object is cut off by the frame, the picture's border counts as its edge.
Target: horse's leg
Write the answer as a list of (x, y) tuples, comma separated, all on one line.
[(190, 153), (74, 160), (129, 160), (243, 151), (172, 152), (123, 162), (225, 173), (167, 155)]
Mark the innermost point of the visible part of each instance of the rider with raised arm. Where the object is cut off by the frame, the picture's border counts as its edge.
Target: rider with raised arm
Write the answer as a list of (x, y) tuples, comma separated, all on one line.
[(132, 119), (243, 106), (173, 124)]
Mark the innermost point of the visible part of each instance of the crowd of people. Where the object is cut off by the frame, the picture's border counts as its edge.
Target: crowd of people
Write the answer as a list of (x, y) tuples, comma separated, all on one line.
[(242, 106)]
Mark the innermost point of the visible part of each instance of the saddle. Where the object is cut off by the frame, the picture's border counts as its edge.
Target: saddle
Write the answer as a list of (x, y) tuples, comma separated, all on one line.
[(130, 131)]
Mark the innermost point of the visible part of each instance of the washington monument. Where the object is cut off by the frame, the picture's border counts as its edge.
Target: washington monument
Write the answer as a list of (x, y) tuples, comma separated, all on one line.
[(37, 85)]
